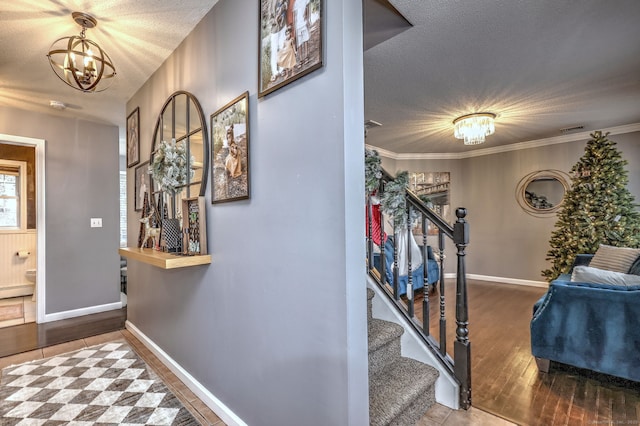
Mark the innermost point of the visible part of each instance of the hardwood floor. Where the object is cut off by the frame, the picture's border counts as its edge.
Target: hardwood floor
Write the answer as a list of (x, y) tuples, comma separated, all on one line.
[(27, 337), (505, 378)]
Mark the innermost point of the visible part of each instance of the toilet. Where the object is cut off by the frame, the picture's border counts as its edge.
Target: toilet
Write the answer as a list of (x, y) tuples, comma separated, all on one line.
[(30, 274)]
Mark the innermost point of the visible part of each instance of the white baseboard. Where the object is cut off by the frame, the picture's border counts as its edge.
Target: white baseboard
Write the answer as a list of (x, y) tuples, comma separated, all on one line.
[(82, 311), (217, 406), (516, 281)]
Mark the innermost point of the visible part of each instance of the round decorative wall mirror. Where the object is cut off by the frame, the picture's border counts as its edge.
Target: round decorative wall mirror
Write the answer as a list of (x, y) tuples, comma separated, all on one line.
[(180, 131), (542, 192)]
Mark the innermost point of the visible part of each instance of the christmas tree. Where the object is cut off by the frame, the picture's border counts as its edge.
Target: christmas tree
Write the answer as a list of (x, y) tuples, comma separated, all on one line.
[(598, 209)]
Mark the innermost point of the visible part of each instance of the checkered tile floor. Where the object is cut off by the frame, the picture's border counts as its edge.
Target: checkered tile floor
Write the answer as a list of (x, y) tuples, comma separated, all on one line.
[(107, 384)]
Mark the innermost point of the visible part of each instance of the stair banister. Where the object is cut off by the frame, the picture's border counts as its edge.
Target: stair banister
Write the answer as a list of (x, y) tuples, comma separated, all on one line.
[(460, 365)]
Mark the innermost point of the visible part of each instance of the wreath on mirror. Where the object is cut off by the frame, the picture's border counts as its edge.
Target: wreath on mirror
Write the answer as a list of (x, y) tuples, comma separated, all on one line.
[(170, 167)]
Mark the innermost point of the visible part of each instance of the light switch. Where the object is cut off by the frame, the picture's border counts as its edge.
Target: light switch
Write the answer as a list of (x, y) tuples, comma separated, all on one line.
[(96, 222)]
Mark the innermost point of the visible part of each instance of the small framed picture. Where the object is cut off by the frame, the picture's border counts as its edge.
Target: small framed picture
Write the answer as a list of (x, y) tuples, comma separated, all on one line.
[(142, 185), (291, 33), (133, 138), (194, 226), (230, 151)]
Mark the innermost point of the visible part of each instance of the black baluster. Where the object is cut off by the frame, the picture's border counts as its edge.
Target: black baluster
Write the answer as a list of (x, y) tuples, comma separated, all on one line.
[(443, 319), (425, 291), (396, 296), (383, 258), (409, 270), (462, 346), (369, 234)]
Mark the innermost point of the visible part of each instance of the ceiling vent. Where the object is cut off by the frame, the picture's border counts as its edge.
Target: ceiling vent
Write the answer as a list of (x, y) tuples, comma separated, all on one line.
[(571, 129), (371, 123)]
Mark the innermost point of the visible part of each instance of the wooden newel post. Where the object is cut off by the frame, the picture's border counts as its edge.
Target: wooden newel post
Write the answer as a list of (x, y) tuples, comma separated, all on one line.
[(462, 346)]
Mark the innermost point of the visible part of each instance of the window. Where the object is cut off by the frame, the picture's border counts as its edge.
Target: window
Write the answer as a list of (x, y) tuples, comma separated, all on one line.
[(123, 208), (13, 203)]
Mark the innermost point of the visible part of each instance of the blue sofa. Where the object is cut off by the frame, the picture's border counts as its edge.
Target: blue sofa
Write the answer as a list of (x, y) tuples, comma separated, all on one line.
[(417, 275), (591, 326)]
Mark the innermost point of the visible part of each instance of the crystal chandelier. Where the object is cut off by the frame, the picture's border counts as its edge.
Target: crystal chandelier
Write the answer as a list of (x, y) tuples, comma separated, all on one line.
[(473, 128), (80, 62)]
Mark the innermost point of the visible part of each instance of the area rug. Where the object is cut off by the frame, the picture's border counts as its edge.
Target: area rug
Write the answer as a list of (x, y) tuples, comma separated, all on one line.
[(107, 384)]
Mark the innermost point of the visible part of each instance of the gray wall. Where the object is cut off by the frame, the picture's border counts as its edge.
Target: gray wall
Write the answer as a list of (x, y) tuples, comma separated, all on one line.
[(275, 327), (505, 241), (81, 163)]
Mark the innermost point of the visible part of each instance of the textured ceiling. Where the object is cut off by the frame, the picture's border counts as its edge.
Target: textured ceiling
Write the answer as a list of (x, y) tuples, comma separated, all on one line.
[(541, 65), (138, 36)]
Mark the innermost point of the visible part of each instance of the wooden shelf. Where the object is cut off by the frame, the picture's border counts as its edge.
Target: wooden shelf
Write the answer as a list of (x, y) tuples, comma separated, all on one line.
[(163, 260)]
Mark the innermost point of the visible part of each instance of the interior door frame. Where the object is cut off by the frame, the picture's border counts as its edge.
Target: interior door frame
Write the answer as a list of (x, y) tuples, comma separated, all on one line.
[(38, 144)]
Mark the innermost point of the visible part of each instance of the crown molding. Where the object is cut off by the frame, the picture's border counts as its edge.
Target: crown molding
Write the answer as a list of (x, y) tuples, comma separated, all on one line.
[(617, 130)]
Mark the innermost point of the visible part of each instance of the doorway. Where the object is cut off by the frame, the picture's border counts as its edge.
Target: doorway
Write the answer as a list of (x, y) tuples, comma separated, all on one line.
[(38, 145)]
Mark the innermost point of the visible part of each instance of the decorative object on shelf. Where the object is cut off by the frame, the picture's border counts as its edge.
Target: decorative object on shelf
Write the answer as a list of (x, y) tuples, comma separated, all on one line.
[(541, 192), (133, 138), (230, 151), (145, 212), (141, 185), (290, 45), (170, 166), (171, 236), (150, 233), (194, 226), (474, 128), (79, 62), (597, 209)]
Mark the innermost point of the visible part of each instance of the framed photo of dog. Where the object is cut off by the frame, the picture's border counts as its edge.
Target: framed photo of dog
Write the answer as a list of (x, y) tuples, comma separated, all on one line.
[(230, 151), (291, 33)]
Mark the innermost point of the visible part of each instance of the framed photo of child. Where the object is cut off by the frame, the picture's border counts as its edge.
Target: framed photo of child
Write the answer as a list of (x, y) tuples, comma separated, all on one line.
[(133, 138), (230, 151), (291, 33)]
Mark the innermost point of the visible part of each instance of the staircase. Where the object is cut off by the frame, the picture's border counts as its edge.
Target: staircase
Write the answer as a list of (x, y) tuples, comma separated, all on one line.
[(401, 390)]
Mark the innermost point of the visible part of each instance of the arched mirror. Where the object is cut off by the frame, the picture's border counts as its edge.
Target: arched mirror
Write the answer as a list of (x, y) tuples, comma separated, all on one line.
[(542, 192), (181, 128)]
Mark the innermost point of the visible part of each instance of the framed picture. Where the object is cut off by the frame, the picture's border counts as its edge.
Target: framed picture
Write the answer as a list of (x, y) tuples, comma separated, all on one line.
[(291, 33), (230, 151), (133, 138), (194, 226), (142, 185)]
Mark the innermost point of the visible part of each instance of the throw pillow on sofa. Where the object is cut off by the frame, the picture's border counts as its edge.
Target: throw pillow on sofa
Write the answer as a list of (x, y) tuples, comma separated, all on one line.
[(635, 268), (617, 259), (588, 274)]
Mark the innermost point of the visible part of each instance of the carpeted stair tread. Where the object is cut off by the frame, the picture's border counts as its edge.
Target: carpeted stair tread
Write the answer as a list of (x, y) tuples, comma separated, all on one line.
[(384, 344), (382, 332), (394, 390)]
